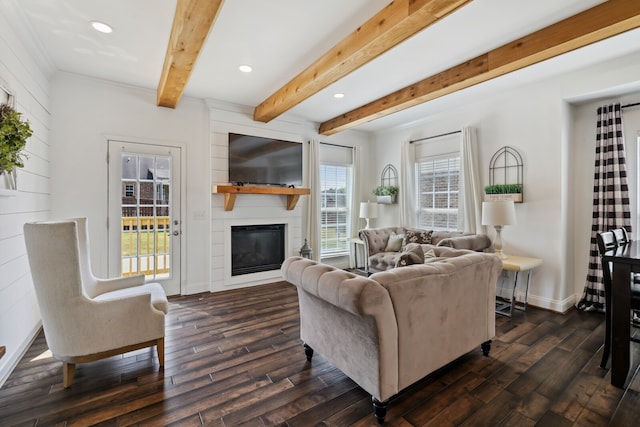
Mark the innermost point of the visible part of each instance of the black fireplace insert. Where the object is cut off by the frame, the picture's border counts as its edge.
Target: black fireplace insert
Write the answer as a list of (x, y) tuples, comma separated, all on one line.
[(256, 248)]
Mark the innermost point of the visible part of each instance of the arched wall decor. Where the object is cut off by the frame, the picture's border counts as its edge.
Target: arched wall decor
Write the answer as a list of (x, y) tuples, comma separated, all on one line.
[(505, 176), (387, 192), (8, 180)]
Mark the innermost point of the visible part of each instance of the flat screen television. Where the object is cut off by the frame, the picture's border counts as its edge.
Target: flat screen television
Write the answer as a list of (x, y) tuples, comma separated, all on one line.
[(264, 161)]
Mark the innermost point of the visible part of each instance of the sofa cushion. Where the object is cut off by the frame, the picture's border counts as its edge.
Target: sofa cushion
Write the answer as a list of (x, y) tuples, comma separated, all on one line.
[(394, 243)]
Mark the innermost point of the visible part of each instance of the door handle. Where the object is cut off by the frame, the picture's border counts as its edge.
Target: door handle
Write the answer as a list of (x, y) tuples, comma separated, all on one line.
[(176, 233)]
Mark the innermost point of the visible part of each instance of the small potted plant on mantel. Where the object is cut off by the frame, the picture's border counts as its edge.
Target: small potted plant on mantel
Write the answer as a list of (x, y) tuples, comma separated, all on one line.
[(497, 192), (14, 133), (386, 194)]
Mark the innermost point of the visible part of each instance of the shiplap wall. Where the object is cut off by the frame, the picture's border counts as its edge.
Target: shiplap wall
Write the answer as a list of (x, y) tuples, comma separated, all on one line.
[(262, 209), (27, 76)]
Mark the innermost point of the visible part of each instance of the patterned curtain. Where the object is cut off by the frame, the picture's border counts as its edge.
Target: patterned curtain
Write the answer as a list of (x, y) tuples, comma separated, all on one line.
[(610, 198)]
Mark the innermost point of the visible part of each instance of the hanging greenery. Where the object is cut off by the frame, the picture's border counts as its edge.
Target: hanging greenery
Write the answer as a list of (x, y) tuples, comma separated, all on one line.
[(14, 133)]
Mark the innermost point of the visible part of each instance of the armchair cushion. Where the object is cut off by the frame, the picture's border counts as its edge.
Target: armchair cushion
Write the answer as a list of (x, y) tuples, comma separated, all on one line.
[(158, 297)]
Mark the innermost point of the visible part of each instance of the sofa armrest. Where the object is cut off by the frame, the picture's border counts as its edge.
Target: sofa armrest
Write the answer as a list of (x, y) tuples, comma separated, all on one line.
[(356, 294), (473, 242)]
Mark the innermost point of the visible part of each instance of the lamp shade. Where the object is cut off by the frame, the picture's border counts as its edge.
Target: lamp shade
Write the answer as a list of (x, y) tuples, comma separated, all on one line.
[(498, 213), (368, 209)]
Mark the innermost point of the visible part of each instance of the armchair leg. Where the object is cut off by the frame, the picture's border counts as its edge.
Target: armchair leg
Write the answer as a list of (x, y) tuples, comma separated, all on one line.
[(68, 371), (160, 350)]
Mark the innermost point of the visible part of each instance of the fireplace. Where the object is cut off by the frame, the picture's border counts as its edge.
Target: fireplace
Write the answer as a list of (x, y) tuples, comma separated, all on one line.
[(257, 248)]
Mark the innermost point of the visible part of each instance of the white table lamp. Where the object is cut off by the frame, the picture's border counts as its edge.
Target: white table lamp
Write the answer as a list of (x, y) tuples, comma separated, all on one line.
[(368, 210), (498, 214)]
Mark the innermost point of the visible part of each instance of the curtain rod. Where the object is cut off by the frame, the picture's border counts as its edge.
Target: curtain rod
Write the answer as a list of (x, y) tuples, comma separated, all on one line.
[(333, 145), (631, 105), (435, 136)]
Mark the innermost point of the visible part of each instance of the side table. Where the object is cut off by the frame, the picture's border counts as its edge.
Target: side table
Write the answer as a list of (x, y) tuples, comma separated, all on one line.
[(358, 242), (517, 264)]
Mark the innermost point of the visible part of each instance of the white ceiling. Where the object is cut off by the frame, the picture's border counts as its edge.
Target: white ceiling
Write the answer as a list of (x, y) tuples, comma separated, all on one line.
[(279, 38)]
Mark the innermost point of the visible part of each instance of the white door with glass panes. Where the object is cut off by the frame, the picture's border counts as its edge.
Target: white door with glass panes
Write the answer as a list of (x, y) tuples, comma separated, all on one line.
[(144, 212)]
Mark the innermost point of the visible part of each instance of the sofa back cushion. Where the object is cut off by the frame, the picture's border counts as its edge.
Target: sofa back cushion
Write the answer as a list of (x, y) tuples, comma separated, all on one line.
[(376, 239)]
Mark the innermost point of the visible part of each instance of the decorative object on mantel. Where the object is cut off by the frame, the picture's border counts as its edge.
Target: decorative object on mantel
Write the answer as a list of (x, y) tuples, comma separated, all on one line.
[(231, 191), (305, 250), (14, 133), (387, 191), (505, 176)]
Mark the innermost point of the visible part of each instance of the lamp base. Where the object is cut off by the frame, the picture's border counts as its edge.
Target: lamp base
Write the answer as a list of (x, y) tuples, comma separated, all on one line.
[(500, 254), (497, 243)]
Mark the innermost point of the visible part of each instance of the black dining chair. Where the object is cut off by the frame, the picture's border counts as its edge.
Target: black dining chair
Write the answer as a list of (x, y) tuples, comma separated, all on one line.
[(607, 241)]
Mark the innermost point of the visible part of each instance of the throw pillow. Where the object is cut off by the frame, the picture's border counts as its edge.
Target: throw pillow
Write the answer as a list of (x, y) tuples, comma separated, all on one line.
[(417, 236), (411, 254), (395, 242), (430, 256)]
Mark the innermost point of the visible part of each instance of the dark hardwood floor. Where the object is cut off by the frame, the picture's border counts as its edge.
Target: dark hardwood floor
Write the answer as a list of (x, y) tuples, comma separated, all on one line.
[(235, 359)]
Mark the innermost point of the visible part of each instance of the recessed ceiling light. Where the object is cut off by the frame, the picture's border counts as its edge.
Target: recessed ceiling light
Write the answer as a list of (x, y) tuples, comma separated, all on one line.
[(338, 95), (101, 26), (245, 68)]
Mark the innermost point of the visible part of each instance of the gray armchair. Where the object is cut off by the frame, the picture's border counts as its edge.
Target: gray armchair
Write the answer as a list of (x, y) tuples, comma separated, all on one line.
[(86, 318)]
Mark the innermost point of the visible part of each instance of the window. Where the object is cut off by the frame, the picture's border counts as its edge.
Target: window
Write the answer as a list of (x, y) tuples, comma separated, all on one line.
[(129, 190), (335, 228), (438, 183)]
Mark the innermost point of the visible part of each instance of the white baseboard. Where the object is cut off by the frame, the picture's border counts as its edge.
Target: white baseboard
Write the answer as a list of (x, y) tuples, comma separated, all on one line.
[(14, 358), (560, 306)]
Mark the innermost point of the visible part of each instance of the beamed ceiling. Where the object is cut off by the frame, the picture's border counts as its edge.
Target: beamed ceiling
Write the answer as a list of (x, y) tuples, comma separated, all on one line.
[(388, 58)]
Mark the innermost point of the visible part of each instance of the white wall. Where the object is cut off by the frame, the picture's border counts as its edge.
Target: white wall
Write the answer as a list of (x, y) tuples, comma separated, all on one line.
[(27, 76), (86, 112), (538, 121)]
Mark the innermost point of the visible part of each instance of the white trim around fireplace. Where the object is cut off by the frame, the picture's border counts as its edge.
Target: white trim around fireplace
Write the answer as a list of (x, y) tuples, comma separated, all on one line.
[(253, 278)]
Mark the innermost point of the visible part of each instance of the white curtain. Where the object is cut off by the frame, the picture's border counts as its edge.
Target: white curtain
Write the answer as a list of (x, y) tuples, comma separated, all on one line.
[(355, 200), (355, 192), (406, 196), (470, 217), (313, 182)]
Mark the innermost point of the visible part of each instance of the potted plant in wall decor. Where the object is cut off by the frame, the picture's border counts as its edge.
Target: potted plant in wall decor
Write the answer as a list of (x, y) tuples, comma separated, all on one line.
[(498, 192), (14, 133), (386, 194)]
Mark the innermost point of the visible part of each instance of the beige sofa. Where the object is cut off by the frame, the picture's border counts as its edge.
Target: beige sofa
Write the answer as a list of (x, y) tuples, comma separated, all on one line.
[(379, 258), (391, 329)]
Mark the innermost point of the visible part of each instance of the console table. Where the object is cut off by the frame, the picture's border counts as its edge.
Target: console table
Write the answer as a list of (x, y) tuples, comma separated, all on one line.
[(517, 264)]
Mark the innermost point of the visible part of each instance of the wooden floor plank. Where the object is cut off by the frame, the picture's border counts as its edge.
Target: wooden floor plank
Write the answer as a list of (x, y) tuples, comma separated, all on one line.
[(235, 358)]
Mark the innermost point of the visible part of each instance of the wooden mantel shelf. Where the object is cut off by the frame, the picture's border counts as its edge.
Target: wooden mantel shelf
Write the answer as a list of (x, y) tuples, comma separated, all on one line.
[(231, 191)]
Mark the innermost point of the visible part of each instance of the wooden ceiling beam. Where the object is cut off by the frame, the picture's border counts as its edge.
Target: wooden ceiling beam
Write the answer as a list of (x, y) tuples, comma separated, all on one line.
[(395, 23), (191, 25), (608, 19)]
